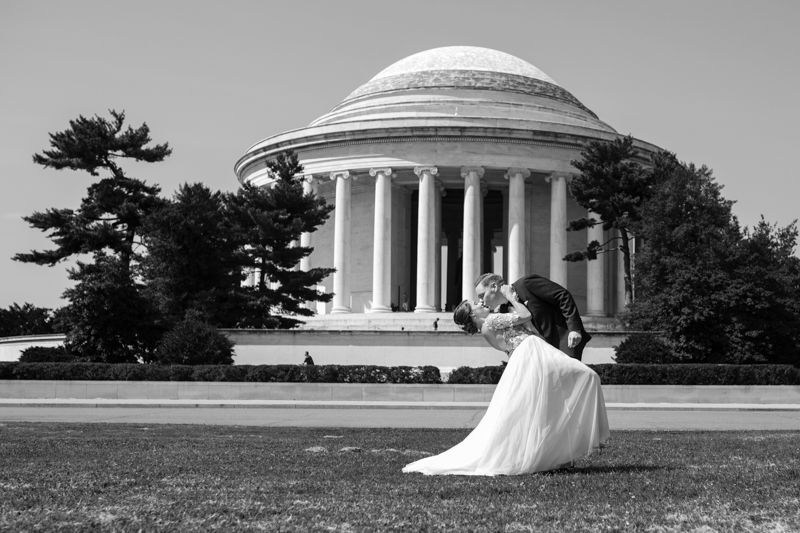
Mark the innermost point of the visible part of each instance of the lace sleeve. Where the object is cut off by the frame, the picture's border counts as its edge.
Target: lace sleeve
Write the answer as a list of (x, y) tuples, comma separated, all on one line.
[(499, 321)]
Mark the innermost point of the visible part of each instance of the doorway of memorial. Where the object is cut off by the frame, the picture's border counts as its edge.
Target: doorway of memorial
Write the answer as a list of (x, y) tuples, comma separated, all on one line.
[(452, 233)]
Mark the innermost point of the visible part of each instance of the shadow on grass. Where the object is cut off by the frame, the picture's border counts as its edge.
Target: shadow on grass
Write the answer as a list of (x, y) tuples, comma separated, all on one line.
[(618, 469)]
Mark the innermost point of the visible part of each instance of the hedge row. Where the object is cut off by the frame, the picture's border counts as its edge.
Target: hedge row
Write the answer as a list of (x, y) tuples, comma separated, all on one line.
[(239, 373), (610, 374), (675, 374)]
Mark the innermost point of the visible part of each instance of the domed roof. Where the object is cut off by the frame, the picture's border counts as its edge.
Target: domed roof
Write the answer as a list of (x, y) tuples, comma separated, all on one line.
[(484, 72), (464, 58), (426, 106)]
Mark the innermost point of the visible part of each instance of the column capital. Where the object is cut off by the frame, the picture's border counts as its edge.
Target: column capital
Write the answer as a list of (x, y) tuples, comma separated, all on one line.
[(386, 171), (556, 175), (309, 178), (440, 186), (466, 171), (484, 189), (514, 171), (428, 169), (343, 174)]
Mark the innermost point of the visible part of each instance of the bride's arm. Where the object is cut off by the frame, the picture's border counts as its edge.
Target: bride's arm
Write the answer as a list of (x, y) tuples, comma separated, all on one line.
[(519, 308)]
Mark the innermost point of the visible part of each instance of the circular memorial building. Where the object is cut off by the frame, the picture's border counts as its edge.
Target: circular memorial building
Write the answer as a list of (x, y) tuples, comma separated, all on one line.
[(447, 164)]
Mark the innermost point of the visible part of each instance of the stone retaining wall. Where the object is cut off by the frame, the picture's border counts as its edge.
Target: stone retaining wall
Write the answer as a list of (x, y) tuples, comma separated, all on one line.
[(177, 390), (444, 349)]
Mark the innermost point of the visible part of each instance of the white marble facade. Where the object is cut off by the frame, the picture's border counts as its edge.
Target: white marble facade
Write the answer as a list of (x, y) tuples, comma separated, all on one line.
[(447, 164)]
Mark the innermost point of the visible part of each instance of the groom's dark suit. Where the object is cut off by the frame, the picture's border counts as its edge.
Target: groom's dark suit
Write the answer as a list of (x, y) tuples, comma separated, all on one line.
[(554, 313)]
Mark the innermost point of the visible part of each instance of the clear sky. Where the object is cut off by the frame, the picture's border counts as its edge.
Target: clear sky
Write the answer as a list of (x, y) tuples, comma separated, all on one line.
[(716, 81)]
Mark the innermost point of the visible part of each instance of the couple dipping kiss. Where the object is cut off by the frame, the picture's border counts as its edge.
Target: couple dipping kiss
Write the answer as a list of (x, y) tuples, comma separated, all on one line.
[(548, 408)]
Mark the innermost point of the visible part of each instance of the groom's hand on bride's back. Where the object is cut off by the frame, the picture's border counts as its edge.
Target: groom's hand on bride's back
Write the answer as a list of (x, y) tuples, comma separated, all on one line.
[(574, 339)]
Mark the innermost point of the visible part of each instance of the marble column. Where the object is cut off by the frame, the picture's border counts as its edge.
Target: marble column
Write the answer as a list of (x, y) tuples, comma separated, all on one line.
[(558, 227), (472, 226), (516, 223), (382, 242), (453, 290), (505, 234), (595, 274), (305, 238), (309, 187), (341, 243), (484, 266), (426, 240), (620, 270), (258, 272), (437, 290)]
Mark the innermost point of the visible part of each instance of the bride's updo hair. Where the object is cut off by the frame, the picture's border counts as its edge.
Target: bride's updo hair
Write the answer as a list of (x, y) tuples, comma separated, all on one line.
[(463, 318)]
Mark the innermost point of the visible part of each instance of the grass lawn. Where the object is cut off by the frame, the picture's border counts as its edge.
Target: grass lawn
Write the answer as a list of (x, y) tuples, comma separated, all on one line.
[(98, 477)]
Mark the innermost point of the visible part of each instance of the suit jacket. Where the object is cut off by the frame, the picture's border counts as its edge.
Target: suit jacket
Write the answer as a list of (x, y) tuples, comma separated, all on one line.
[(554, 313)]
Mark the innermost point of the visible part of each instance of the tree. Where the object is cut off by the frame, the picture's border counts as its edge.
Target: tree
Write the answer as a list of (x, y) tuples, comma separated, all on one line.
[(614, 187), (110, 321), (267, 220), (683, 271), (192, 260), (112, 211), (765, 314), (106, 315), (25, 319), (720, 294)]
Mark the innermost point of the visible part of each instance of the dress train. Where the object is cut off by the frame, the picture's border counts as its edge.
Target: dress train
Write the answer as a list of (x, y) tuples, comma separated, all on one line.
[(547, 410)]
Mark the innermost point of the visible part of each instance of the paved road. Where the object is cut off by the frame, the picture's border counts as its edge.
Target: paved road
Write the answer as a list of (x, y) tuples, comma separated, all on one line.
[(660, 419)]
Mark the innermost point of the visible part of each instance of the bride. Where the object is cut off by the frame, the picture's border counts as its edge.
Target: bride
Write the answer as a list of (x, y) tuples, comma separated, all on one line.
[(547, 409)]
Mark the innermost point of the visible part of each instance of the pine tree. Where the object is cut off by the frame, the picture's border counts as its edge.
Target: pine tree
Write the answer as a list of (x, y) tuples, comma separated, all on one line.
[(107, 319), (613, 186), (113, 209), (192, 260), (268, 220), (110, 321)]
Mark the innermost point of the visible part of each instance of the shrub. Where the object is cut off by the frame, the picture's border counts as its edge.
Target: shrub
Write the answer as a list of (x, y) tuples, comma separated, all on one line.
[(47, 354), (192, 342), (343, 374), (486, 375), (697, 374), (610, 374), (672, 374), (644, 348), (239, 373)]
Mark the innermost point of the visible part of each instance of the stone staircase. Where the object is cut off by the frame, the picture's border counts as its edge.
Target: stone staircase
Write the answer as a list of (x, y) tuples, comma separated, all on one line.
[(418, 322), (380, 322)]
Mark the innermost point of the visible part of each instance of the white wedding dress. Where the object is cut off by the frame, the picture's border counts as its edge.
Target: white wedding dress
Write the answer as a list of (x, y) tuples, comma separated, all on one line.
[(547, 410)]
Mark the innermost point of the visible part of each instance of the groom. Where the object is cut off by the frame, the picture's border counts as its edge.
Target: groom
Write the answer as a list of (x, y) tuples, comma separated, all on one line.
[(554, 313)]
